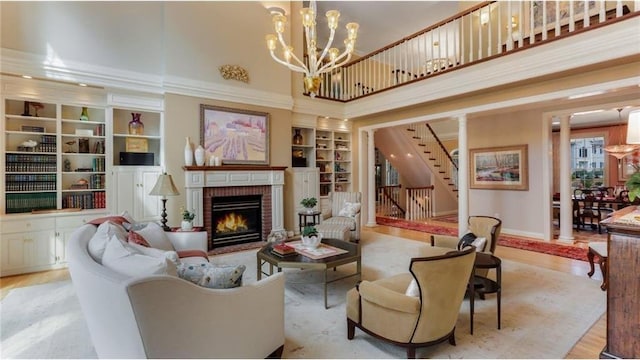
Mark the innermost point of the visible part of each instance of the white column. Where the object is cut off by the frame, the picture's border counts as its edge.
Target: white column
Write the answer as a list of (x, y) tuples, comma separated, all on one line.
[(463, 175), (370, 172), (566, 203)]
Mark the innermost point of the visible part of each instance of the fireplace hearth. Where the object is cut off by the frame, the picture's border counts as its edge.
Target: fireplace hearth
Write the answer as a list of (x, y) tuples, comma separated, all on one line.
[(236, 220)]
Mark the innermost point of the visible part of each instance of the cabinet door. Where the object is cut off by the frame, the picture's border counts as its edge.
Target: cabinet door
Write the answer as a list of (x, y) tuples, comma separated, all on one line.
[(125, 190), (306, 184), (149, 207), (22, 251)]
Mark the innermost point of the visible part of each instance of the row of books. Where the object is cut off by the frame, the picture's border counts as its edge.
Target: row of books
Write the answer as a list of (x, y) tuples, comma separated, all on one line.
[(31, 167), (20, 203), (96, 181), (96, 200), (31, 185), (98, 164)]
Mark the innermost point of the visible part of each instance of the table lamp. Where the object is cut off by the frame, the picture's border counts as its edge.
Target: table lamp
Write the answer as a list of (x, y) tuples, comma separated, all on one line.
[(164, 187)]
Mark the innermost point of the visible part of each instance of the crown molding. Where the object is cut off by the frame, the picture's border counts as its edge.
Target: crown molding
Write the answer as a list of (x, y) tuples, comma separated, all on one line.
[(116, 80)]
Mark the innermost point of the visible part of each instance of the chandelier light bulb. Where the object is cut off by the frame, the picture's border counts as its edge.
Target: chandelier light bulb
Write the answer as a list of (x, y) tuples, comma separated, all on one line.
[(332, 19)]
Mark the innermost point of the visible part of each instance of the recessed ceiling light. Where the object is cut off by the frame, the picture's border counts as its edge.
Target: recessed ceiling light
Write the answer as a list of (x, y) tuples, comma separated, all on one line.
[(392, 156), (82, 84), (578, 96), (27, 76), (409, 155), (346, 119)]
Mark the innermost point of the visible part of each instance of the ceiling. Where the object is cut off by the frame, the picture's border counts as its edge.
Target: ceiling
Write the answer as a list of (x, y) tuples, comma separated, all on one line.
[(376, 31)]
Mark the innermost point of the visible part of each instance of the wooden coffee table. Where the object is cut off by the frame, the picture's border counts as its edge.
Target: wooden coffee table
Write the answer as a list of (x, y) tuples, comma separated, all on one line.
[(299, 261)]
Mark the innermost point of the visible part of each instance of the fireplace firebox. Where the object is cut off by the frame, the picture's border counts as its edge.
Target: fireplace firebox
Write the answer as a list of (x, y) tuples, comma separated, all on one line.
[(236, 220)]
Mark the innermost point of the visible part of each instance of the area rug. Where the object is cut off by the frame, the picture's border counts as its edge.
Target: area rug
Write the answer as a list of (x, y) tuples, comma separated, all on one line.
[(539, 246), (544, 312), (453, 218)]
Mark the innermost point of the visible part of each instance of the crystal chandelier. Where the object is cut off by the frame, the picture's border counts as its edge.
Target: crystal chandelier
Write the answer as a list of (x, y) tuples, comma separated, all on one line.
[(620, 150), (315, 65)]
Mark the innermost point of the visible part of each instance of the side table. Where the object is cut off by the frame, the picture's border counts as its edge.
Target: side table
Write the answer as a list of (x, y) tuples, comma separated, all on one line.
[(483, 285), (308, 218)]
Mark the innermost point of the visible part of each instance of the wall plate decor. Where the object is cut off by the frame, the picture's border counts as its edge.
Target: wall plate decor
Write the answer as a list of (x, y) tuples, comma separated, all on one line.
[(235, 136)]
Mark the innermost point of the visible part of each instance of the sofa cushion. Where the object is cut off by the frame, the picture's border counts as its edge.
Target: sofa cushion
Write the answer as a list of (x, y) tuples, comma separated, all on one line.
[(211, 275), (349, 209), (154, 235), (98, 241), (119, 257)]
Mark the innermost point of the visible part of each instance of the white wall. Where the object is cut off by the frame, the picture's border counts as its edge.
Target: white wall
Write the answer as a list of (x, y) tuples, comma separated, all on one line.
[(520, 211)]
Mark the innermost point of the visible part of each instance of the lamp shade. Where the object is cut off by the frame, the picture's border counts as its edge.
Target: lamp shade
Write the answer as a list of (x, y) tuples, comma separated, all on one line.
[(633, 127), (164, 186)]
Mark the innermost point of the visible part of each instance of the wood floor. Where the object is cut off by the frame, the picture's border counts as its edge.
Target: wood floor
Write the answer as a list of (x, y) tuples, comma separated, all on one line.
[(589, 347)]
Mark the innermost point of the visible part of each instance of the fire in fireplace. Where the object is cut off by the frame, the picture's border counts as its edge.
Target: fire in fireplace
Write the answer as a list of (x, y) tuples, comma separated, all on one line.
[(236, 220)]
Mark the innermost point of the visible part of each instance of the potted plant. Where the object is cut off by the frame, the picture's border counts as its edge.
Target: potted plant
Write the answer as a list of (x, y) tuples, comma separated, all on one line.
[(187, 219), (309, 203), (310, 237)]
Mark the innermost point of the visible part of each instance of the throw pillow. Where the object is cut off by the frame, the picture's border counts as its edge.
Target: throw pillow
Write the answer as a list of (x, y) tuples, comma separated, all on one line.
[(136, 238), (466, 240), (99, 240), (212, 276), (155, 237), (349, 209), (479, 243), (413, 289), (125, 261), (114, 219), (157, 253)]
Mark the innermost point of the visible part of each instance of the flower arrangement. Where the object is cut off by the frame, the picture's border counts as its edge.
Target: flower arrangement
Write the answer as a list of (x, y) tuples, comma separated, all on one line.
[(309, 202), (187, 215), (309, 231)]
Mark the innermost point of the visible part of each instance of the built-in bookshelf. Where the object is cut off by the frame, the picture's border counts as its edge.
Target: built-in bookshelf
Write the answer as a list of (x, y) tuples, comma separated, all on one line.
[(54, 156)]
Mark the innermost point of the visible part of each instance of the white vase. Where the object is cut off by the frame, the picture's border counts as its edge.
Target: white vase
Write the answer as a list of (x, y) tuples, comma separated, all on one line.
[(186, 225), (188, 153), (199, 153)]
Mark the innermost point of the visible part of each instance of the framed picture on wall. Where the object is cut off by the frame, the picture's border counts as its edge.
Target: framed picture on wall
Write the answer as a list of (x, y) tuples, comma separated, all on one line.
[(499, 168), (235, 136)]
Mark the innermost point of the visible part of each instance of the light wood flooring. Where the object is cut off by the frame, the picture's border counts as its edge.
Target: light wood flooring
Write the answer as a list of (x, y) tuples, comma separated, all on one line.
[(588, 347)]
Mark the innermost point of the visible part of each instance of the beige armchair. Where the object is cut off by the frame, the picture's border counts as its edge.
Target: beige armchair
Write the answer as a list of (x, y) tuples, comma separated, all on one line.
[(482, 226), (382, 309), (338, 208)]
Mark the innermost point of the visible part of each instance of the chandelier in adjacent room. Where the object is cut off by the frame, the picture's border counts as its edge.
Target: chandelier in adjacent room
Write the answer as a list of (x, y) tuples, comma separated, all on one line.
[(317, 62), (620, 150)]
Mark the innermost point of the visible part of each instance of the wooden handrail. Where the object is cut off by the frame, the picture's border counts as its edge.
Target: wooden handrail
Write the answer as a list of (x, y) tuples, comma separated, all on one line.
[(442, 146)]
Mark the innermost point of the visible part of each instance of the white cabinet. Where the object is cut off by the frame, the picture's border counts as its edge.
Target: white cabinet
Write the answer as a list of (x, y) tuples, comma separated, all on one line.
[(65, 226), (132, 185), (27, 245), (305, 184)]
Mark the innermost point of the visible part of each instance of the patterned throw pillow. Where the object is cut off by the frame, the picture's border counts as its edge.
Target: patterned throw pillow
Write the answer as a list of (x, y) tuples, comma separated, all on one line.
[(212, 276), (349, 209)]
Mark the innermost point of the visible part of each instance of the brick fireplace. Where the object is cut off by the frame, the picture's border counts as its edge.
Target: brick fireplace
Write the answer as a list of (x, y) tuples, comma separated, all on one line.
[(204, 183)]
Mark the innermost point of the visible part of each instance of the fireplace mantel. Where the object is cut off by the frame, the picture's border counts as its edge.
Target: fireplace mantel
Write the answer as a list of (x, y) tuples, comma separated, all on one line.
[(197, 178)]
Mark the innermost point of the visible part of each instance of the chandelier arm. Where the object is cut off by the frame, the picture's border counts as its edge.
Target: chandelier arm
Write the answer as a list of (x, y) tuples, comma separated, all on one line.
[(302, 66), (289, 65), (329, 66), (313, 67), (325, 51)]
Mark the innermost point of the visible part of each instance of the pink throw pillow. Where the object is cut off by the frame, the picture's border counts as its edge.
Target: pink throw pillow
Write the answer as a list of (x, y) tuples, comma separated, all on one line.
[(136, 238)]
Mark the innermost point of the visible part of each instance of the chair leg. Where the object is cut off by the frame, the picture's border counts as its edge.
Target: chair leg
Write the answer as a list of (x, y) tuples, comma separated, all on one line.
[(351, 329), (452, 338), (411, 353), (603, 267), (590, 256)]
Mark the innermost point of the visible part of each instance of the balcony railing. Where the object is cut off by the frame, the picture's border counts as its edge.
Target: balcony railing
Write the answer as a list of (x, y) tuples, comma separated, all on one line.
[(483, 32)]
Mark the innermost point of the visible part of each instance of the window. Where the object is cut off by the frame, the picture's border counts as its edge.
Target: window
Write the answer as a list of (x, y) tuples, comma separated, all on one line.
[(587, 167)]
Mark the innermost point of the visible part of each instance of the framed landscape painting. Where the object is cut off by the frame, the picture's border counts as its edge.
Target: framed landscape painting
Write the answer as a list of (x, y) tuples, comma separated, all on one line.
[(499, 168), (235, 136)]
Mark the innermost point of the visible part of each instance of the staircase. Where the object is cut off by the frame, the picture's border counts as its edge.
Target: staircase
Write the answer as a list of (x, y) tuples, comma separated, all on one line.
[(435, 155)]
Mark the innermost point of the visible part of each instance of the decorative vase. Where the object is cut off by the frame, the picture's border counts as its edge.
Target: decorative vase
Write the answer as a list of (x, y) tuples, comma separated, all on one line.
[(186, 225), (297, 138), (85, 114), (136, 127), (199, 154), (188, 153), (310, 210)]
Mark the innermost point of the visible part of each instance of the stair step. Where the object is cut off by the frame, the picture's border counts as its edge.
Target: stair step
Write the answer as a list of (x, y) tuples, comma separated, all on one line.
[(427, 152), (422, 144), (411, 129), (447, 178), (442, 171), (416, 137)]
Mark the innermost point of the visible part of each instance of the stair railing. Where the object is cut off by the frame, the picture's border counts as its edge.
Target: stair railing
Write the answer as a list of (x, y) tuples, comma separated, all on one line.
[(389, 202), (419, 203)]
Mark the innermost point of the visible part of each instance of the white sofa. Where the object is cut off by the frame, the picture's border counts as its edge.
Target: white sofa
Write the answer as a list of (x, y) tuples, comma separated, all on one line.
[(162, 316)]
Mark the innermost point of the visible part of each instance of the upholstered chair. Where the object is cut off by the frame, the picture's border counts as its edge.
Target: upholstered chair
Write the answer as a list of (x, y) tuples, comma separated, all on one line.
[(487, 227), (396, 310), (344, 209)]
